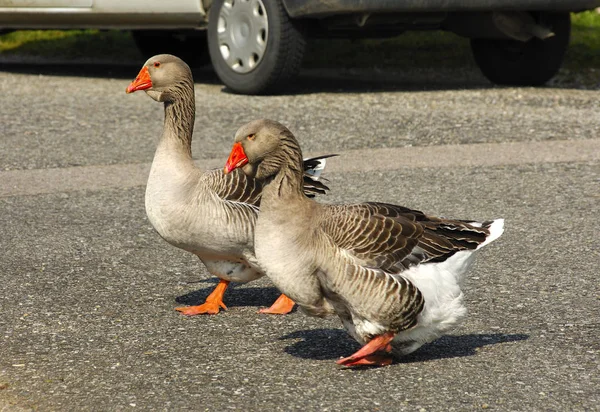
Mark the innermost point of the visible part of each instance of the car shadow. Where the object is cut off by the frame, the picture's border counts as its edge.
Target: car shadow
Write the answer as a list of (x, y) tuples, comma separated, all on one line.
[(310, 81), (314, 81), (235, 296), (101, 70), (327, 344)]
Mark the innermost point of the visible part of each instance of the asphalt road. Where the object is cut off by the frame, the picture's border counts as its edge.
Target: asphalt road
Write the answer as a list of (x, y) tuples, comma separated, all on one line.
[(88, 290)]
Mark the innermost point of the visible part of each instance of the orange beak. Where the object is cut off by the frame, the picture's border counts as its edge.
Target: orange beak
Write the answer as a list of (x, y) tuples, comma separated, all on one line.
[(237, 158), (141, 82)]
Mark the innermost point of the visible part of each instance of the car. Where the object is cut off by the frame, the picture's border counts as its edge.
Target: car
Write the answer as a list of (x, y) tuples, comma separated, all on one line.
[(257, 46)]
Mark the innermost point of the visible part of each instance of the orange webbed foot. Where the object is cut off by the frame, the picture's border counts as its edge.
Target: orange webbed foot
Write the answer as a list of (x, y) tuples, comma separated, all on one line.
[(282, 306), (367, 355), (213, 303), (207, 308)]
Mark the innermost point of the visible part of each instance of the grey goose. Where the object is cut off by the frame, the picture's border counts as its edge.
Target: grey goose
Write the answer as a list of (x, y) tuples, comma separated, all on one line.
[(207, 213), (392, 274)]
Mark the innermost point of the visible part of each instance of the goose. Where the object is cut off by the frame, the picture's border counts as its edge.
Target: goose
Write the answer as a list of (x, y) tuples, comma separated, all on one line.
[(392, 274), (207, 213)]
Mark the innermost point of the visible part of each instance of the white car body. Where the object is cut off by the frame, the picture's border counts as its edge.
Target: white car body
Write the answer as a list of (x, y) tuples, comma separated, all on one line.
[(102, 14)]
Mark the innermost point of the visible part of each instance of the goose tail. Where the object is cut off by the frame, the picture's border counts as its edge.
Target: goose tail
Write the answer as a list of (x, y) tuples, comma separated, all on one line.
[(313, 167), (496, 228)]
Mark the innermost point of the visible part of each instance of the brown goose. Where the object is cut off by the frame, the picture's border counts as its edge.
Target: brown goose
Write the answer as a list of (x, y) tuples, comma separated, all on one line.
[(392, 274), (208, 213)]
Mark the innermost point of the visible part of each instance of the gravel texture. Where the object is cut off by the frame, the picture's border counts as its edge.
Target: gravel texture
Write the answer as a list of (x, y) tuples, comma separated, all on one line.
[(87, 289), (57, 119)]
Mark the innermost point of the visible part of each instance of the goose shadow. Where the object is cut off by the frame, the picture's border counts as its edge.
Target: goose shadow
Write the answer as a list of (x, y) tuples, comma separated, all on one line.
[(327, 344), (235, 296)]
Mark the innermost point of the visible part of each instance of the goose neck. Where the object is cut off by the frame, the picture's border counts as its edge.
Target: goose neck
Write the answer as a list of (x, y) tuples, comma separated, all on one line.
[(286, 185), (179, 120)]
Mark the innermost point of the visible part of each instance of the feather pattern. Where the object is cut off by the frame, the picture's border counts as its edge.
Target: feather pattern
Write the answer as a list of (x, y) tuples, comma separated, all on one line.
[(394, 238), (238, 187), (384, 269), (210, 214)]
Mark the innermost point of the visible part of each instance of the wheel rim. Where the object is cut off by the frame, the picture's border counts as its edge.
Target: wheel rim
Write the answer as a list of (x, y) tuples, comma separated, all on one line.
[(242, 31)]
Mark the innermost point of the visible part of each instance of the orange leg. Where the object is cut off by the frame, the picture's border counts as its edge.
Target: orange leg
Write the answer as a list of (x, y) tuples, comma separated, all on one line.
[(281, 306), (211, 306), (372, 360), (367, 354)]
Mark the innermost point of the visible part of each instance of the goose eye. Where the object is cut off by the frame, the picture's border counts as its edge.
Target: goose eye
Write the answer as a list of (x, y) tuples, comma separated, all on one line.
[(156, 64), (251, 136)]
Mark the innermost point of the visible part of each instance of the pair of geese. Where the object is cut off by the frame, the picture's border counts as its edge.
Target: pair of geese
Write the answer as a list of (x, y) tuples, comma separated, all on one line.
[(393, 275)]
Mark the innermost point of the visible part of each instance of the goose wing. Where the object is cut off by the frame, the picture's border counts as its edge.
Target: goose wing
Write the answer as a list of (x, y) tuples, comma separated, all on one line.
[(234, 186), (393, 238)]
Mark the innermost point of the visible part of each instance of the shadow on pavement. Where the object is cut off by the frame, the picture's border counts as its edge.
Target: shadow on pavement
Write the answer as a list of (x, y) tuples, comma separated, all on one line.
[(234, 296), (309, 82), (324, 344), (312, 81), (97, 70), (321, 344), (455, 346)]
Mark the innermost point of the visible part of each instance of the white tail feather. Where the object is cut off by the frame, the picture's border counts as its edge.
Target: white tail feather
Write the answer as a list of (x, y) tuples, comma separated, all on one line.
[(496, 229)]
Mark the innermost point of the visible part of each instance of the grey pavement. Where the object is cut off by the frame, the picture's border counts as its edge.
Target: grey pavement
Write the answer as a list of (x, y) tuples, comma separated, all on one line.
[(88, 290)]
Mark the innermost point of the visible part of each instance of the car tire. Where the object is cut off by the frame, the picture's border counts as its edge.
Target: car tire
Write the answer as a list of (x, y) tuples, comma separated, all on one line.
[(190, 47), (531, 63), (254, 46)]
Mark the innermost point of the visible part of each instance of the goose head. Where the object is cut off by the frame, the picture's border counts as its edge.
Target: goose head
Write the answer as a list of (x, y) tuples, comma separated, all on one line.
[(262, 147), (161, 77)]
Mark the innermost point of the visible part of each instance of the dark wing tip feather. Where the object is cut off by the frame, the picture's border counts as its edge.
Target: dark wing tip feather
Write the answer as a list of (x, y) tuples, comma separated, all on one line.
[(314, 187), (312, 183), (315, 161)]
